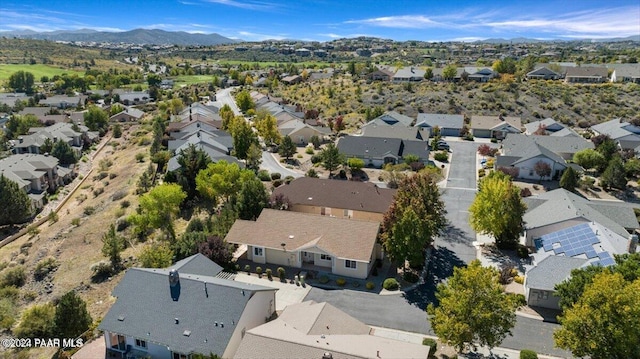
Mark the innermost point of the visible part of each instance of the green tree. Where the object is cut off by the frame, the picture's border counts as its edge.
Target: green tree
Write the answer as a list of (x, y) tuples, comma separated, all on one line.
[(222, 180), (16, 206), (632, 167), (71, 318), (449, 72), (244, 101), (428, 74), (254, 157), (117, 130), (415, 218), (64, 153), (37, 322), (505, 66), (20, 125), (227, 115), (473, 308), (411, 158), (498, 209), (157, 255), (191, 160), (604, 321), (153, 79), (614, 175), (252, 198), (569, 179), (188, 244), (243, 138), (221, 223), (161, 158), (47, 146), (161, 205), (287, 147), (589, 158), (267, 127), (21, 81), (606, 146), (355, 164), (96, 119), (331, 158), (112, 246)]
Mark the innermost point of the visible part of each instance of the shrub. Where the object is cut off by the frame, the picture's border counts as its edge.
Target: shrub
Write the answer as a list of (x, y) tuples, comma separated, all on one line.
[(100, 176), (247, 268), (523, 251), (441, 156), (53, 217), (341, 282), (140, 157), (370, 285), (316, 158), (410, 277), (89, 210), (101, 269), (525, 192), (263, 175), (309, 151), (493, 140), (75, 222), (323, 279), (288, 179), (119, 195), (390, 284), (281, 274), (113, 175), (298, 156), (97, 192), (125, 204), (481, 173), (518, 279), (528, 354), (433, 345), (311, 173), (37, 322), (259, 271), (275, 175), (44, 267), (269, 273), (13, 277), (277, 183)]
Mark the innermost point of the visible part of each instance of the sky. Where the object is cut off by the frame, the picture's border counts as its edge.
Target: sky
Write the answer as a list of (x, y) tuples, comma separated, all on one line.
[(325, 20)]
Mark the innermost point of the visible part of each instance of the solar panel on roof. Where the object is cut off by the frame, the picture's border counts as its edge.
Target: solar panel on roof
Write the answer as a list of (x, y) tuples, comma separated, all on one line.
[(572, 241)]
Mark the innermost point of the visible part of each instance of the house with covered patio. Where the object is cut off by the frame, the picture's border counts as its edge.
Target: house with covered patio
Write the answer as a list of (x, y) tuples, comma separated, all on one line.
[(345, 247)]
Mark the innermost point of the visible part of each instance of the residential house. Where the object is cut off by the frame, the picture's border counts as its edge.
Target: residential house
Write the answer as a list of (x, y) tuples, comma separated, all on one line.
[(300, 132), (183, 310), (129, 114), (130, 98), (543, 73), (217, 144), (626, 73), (438, 75), (291, 80), (35, 174), (11, 98), (378, 151), (64, 101), (342, 199), (586, 74), (495, 126), (409, 74), (626, 134), (198, 108), (345, 247), (62, 131), (404, 133), (546, 126), (479, 74), (320, 330), (391, 118), (449, 125), (381, 75)]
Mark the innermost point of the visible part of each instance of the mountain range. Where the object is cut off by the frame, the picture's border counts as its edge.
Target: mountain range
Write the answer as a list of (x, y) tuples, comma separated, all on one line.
[(137, 36)]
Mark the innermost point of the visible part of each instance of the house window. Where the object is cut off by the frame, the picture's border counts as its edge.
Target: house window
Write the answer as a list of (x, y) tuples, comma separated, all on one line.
[(325, 257), (117, 342), (345, 213), (258, 251), (180, 356), (141, 343), (350, 264)]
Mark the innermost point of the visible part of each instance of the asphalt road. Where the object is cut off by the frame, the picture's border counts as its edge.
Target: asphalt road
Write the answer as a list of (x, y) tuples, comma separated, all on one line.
[(224, 96), (270, 164)]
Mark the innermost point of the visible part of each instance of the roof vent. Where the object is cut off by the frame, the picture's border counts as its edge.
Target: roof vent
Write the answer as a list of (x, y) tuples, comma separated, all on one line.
[(174, 278), (327, 355), (186, 333), (291, 236), (121, 318), (310, 198), (176, 320)]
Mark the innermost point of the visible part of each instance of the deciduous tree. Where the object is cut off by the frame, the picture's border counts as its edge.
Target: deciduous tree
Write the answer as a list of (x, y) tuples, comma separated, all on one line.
[(157, 255), (243, 138), (21, 81), (254, 157), (160, 206), (449, 72), (473, 308), (267, 127), (331, 158), (252, 198), (287, 147), (589, 158), (498, 209), (217, 249), (16, 205), (244, 101), (542, 169), (415, 218), (222, 180), (96, 119)]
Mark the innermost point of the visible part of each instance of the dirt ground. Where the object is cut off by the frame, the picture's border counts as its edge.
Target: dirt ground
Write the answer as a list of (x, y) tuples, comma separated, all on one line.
[(76, 248)]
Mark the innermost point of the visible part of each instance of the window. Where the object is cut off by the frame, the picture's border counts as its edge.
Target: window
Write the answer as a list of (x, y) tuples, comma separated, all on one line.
[(118, 342), (350, 264), (345, 213), (325, 257), (141, 343), (179, 356), (258, 251)]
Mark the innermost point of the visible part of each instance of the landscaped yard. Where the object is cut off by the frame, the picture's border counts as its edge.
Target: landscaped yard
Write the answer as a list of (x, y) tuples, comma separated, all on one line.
[(38, 70)]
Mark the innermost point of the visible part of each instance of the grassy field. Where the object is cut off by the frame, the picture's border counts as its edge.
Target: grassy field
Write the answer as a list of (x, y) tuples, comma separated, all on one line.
[(37, 70), (192, 79)]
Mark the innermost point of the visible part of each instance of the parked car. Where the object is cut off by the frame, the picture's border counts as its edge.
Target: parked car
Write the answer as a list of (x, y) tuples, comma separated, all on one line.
[(443, 146)]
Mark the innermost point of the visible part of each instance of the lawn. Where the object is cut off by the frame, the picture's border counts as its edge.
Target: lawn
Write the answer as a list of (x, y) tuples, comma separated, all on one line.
[(38, 70), (192, 79)]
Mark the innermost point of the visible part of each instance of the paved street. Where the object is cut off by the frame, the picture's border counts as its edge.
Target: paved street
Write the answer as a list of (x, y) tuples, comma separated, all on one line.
[(224, 97), (270, 164)]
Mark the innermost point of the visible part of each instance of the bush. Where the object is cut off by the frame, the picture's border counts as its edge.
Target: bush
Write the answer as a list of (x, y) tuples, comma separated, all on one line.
[(113, 175), (263, 175), (493, 140), (277, 183), (518, 279), (119, 195), (89, 210), (481, 173), (101, 269), (44, 267), (410, 277), (316, 159), (100, 176), (311, 173), (140, 157), (309, 151), (259, 271), (282, 274), (125, 204), (525, 192), (247, 268), (341, 282), (269, 273), (275, 176), (441, 156), (323, 279), (433, 345), (75, 222), (523, 251), (97, 192), (288, 179), (370, 285), (390, 284), (13, 277), (528, 354)]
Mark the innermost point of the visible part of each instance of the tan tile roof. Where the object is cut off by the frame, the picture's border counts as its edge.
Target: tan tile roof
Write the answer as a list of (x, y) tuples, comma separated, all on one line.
[(342, 238), (360, 196), (322, 318), (489, 122)]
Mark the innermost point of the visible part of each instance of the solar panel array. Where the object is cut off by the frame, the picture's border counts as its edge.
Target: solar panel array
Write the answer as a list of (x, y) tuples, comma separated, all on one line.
[(572, 241), (605, 259)]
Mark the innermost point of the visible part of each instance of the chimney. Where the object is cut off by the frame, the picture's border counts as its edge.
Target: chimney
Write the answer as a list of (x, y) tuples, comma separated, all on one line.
[(633, 243), (174, 278), (327, 355)]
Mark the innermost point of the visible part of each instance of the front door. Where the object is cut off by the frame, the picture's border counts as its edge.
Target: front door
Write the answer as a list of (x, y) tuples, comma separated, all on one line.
[(307, 257)]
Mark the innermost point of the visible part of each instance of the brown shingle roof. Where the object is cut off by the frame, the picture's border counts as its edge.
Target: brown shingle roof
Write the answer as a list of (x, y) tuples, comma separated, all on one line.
[(360, 196), (342, 238)]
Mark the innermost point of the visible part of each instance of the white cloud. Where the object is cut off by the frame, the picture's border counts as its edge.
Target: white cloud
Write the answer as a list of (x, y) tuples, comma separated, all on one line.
[(249, 5), (400, 22), (252, 36)]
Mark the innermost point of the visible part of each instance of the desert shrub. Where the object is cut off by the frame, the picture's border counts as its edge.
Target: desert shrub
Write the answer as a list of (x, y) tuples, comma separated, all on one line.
[(493, 140), (140, 157), (298, 156), (101, 269), (288, 179), (143, 141), (8, 312), (528, 354), (316, 159), (119, 212), (323, 279), (410, 277), (441, 156), (505, 274), (277, 183), (53, 217), (119, 195), (309, 151), (44, 267), (311, 173), (370, 285), (89, 210), (490, 163), (276, 175), (263, 175), (525, 192), (341, 282), (518, 279), (390, 284), (433, 345), (75, 222), (97, 192), (112, 175), (100, 176), (125, 204), (9, 292), (37, 322), (15, 276), (81, 197), (281, 274)]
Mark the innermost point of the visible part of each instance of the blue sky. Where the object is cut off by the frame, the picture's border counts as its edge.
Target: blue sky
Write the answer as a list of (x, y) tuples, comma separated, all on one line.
[(324, 20)]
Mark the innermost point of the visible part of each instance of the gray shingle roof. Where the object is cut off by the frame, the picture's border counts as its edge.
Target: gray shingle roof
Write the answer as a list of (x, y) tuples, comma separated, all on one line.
[(551, 271), (403, 133), (197, 264), (525, 146), (145, 309), (440, 120), (376, 147)]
